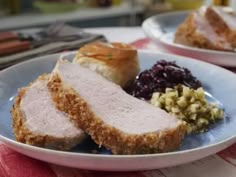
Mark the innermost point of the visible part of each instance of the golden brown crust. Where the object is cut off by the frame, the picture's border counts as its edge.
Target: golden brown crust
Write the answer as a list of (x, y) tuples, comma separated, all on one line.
[(232, 38), (109, 51), (24, 135), (120, 59), (186, 34), (69, 101)]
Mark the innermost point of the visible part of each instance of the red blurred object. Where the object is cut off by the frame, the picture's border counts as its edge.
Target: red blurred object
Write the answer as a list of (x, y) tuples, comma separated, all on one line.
[(6, 36), (15, 46)]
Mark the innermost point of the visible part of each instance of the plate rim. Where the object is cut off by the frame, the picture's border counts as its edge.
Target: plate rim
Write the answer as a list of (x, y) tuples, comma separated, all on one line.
[(90, 155), (149, 32), (114, 156)]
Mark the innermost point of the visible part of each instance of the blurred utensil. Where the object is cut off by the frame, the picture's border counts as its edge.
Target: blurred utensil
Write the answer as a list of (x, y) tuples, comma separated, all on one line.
[(12, 47), (6, 36), (57, 37), (45, 41)]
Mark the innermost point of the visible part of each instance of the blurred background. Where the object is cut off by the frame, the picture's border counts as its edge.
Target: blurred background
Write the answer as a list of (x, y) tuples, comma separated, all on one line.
[(18, 14)]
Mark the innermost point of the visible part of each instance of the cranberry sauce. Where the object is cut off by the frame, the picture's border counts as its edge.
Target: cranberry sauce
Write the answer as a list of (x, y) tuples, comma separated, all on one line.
[(162, 75)]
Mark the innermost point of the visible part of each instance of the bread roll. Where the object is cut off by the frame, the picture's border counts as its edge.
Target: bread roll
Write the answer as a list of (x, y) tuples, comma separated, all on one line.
[(116, 62)]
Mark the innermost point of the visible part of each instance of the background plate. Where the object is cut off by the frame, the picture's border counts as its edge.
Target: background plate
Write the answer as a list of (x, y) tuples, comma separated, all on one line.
[(161, 29), (194, 147)]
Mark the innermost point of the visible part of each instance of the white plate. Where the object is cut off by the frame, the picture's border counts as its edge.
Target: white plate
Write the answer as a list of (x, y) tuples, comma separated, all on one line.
[(161, 29), (194, 147)]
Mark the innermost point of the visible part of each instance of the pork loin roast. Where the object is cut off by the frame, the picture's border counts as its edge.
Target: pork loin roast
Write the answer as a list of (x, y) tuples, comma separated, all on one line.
[(37, 121), (112, 118)]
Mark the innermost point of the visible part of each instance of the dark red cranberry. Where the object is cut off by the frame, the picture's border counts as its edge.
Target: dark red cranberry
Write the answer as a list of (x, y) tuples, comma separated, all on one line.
[(162, 75)]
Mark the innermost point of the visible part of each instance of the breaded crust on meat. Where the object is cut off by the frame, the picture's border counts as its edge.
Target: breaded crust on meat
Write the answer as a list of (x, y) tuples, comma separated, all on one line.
[(232, 38), (186, 34), (118, 142), (24, 135)]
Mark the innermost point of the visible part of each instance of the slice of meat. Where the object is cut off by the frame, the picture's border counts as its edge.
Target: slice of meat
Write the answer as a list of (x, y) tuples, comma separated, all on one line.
[(223, 23), (114, 119), (37, 121), (196, 31)]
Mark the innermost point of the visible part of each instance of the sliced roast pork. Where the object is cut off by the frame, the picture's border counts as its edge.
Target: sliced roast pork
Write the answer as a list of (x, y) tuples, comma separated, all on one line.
[(37, 121), (112, 118), (196, 31)]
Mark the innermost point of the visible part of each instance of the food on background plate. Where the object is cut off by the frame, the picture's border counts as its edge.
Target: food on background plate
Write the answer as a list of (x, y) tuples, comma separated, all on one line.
[(162, 75), (117, 62), (209, 28), (188, 105), (114, 119), (38, 122)]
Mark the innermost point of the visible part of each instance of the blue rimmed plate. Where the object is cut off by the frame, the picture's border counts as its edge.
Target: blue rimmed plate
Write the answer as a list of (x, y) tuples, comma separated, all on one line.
[(219, 83)]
